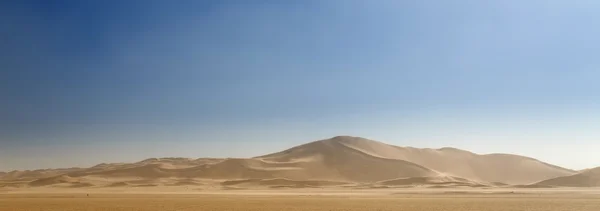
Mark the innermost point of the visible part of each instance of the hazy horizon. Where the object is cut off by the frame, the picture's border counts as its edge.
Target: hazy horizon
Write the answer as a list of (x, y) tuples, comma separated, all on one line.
[(86, 82)]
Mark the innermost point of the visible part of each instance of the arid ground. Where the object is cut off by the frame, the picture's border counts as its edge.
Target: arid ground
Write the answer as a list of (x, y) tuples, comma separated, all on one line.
[(230, 200)]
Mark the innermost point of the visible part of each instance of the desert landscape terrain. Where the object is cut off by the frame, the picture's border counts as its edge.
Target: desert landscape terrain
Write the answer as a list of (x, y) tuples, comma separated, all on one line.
[(340, 173), (326, 105), (388, 202)]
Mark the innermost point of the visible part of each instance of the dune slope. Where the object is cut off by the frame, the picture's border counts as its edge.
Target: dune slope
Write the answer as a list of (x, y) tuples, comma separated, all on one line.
[(588, 178), (505, 168), (332, 160)]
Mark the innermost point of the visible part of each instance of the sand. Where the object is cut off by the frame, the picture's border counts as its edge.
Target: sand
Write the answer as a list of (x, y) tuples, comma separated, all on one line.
[(340, 162), (505, 168), (228, 200), (587, 178)]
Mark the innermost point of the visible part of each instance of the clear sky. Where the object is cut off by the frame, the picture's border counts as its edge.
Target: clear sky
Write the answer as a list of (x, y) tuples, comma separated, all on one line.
[(85, 82)]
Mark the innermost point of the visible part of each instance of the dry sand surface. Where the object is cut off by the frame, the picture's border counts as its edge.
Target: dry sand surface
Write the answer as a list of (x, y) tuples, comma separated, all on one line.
[(402, 201)]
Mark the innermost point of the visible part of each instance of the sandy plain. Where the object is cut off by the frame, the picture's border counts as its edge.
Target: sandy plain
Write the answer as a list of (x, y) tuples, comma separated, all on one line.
[(306, 199)]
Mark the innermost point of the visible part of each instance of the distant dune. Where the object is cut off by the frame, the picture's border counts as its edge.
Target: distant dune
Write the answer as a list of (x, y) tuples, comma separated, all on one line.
[(505, 168), (339, 161), (34, 174), (62, 179), (118, 184), (587, 178), (437, 181), (280, 182)]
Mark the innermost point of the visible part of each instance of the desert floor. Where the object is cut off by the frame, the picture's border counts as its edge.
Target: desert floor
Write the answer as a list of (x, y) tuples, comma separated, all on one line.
[(399, 200)]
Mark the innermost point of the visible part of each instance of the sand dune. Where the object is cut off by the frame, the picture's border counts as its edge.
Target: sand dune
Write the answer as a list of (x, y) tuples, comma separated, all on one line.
[(532, 186), (431, 181), (166, 163), (280, 182), (332, 160), (335, 161), (225, 169), (35, 174), (324, 160), (185, 182), (588, 178), (13, 184), (62, 179), (118, 184), (503, 168)]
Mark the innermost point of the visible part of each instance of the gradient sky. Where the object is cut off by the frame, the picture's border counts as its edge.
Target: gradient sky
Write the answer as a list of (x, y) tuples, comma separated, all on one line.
[(85, 82)]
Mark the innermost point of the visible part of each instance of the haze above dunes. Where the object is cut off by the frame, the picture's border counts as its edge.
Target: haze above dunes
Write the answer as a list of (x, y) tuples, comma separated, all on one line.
[(341, 161)]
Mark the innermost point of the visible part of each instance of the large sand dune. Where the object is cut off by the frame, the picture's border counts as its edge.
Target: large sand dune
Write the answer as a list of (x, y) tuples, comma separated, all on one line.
[(505, 168), (587, 178), (331, 159), (339, 160)]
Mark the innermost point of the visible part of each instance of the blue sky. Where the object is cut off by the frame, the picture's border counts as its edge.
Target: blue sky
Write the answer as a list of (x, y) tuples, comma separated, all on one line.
[(84, 82)]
